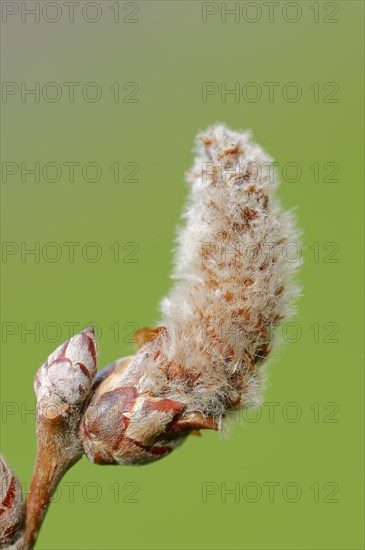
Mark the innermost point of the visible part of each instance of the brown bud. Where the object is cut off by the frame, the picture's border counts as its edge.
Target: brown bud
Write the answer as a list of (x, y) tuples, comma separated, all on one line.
[(11, 505), (125, 425)]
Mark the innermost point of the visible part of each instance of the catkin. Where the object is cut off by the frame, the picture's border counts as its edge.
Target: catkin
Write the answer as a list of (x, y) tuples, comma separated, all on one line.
[(234, 278)]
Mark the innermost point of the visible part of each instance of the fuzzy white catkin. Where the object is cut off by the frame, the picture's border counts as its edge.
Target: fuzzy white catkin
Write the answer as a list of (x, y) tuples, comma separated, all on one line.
[(234, 269)]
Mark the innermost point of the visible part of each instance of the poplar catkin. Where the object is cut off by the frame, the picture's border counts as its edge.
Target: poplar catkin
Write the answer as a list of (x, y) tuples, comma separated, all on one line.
[(234, 285)]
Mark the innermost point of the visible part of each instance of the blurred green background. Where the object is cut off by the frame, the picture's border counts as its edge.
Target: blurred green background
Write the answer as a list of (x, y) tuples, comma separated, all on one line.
[(296, 465)]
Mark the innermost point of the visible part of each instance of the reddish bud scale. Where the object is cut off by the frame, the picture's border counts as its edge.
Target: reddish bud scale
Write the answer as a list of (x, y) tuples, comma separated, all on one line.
[(124, 425), (11, 505)]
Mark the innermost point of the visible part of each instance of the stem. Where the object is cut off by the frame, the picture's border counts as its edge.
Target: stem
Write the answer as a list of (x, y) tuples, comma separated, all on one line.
[(57, 451)]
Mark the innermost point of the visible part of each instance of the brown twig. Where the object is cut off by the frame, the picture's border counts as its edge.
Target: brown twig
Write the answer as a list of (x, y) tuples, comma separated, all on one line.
[(57, 451)]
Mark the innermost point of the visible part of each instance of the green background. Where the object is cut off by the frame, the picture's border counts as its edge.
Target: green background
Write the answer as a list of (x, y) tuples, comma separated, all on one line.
[(169, 52)]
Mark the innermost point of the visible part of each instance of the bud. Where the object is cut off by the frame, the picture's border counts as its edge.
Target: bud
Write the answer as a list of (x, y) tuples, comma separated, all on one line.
[(121, 425), (11, 505), (64, 381), (125, 425)]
